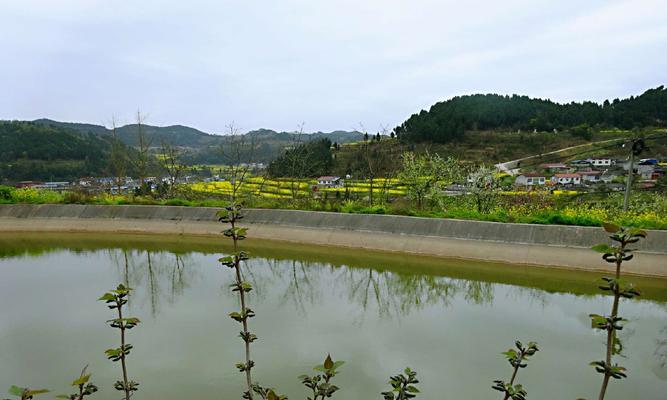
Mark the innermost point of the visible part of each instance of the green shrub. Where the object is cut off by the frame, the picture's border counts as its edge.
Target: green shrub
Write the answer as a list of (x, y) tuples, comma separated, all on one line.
[(6, 193), (36, 196)]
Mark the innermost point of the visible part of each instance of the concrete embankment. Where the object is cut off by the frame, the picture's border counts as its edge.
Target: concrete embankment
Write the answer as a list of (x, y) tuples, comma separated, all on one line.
[(544, 245)]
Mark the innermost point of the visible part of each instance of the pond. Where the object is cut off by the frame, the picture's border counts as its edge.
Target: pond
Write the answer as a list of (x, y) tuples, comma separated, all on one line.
[(447, 319)]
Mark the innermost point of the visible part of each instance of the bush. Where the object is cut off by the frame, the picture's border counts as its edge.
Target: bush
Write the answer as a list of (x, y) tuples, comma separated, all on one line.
[(6, 193), (35, 196)]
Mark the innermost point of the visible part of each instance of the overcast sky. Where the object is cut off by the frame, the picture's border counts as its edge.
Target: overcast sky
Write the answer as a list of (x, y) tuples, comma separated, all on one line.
[(327, 64)]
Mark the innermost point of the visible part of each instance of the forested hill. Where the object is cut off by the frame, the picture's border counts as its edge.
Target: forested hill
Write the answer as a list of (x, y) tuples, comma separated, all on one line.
[(176, 135), (31, 151), (205, 148), (185, 136), (448, 120)]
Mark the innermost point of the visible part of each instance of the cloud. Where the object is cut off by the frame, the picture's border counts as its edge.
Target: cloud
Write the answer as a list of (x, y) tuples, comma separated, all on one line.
[(330, 64)]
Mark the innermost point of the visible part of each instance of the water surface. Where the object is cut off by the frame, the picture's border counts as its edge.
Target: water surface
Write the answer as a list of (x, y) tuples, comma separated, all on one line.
[(447, 319)]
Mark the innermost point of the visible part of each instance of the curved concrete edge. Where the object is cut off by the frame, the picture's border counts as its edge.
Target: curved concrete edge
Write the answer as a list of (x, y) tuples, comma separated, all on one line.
[(549, 235), (645, 263)]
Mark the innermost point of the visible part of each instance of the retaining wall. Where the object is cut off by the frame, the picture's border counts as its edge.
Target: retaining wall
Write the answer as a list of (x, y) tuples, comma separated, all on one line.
[(563, 246)]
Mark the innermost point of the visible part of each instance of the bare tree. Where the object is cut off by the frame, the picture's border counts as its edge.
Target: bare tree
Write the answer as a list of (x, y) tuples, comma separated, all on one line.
[(118, 156), (238, 154), (296, 162), (171, 162), (377, 160), (144, 144)]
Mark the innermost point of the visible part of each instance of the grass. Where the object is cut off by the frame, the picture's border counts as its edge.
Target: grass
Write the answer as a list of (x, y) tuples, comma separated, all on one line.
[(647, 210)]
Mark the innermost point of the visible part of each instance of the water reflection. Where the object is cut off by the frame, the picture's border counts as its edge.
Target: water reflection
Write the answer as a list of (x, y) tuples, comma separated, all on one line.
[(360, 309), (660, 354), (164, 275)]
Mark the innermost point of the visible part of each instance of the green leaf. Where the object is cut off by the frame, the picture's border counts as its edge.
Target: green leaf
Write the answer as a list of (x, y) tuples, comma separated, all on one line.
[(16, 391), (82, 380), (107, 297)]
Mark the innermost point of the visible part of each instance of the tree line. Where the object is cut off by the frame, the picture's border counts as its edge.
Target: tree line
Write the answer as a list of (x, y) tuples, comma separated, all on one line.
[(448, 120)]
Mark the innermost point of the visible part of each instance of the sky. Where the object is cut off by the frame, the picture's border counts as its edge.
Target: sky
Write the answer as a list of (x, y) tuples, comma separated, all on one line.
[(325, 64)]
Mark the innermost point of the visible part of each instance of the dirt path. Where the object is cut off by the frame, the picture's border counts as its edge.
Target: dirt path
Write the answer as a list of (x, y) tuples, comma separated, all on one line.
[(510, 167)]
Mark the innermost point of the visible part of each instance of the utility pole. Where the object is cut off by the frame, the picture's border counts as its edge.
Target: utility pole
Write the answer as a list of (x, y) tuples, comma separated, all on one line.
[(635, 150), (628, 180)]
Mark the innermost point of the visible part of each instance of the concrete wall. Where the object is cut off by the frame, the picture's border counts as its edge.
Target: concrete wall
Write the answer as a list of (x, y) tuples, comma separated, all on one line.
[(563, 246)]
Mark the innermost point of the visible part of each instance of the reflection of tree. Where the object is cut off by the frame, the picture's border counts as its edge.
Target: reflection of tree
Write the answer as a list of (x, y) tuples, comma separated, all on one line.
[(164, 275), (300, 288), (297, 278), (660, 352), (400, 294)]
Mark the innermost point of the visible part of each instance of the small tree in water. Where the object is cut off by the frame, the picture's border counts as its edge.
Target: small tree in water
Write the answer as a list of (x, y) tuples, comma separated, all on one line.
[(83, 385), (116, 299), (612, 323), (518, 359), (231, 214)]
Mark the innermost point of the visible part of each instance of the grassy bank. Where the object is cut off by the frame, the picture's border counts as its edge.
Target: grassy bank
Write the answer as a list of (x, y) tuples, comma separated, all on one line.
[(647, 210)]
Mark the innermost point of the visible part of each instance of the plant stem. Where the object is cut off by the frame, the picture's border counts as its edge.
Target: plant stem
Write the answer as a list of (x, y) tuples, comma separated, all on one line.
[(516, 371), (237, 268), (611, 332), (122, 353)]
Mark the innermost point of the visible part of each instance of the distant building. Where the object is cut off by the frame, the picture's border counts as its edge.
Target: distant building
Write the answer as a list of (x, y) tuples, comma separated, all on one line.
[(601, 162), (566, 179), (580, 163), (648, 161), (530, 179), (645, 171), (329, 181), (590, 176), (28, 184)]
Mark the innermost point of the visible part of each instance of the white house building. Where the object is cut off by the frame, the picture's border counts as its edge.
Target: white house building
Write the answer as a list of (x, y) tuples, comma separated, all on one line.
[(530, 179), (600, 162), (590, 176), (566, 179), (329, 181)]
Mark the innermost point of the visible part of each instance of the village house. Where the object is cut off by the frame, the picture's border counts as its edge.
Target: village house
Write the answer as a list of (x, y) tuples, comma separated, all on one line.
[(566, 179), (329, 181), (530, 179), (600, 162), (580, 163), (590, 176)]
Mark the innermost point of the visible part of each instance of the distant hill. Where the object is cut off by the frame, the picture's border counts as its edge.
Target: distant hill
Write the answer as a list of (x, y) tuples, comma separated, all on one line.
[(33, 151), (205, 148), (448, 120)]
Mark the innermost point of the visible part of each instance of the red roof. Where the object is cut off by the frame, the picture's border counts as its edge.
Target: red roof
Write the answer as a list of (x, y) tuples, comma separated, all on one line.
[(533, 175), (328, 178), (589, 172), (567, 176)]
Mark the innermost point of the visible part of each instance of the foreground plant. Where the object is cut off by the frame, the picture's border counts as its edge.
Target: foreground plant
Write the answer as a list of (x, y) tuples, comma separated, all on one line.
[(612, 323), (85, 387), (518, 359), (231, 214), (116, 299), (403, 386), (25, 393), (320, 384)]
